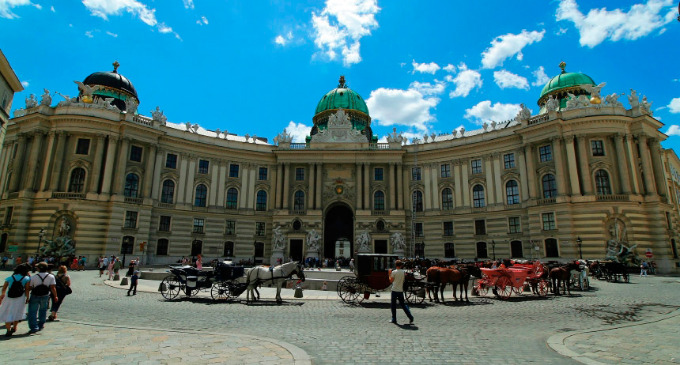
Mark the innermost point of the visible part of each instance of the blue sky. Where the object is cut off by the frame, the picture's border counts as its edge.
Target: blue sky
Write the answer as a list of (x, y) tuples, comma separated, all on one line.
[(257, 67)]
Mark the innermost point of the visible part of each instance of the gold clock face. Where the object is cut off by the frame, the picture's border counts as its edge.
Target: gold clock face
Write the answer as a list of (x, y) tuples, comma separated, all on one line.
[(339, 189)]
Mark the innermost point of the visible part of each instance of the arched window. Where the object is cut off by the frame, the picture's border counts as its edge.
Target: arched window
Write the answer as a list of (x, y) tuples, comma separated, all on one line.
[(447, 199), (449, 251), (549, 186), (478, 196), (551, 249), (162, 247), (232, 198), (379, 200), (602, 183), (168, 192), (298, 201), (417, 201), (512, 192), (201, 196), (131, 186), (261, 204), (481, 250), (77, 180), (228, 249)]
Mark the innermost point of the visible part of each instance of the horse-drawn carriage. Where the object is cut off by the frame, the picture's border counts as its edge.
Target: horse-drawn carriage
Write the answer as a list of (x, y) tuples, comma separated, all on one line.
[(371, 275), (610, 270), (504, 281), (222, 281)]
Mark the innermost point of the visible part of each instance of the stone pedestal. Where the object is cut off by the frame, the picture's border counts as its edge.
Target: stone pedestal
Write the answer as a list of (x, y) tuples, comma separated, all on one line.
[(276, 255), (399, 251)]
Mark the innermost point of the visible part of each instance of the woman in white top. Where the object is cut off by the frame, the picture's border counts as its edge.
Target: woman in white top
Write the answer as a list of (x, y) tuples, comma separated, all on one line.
[(12, 310)]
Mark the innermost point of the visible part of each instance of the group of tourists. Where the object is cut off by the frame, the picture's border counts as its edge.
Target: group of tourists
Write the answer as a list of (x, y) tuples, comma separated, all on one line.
[(21, 289)]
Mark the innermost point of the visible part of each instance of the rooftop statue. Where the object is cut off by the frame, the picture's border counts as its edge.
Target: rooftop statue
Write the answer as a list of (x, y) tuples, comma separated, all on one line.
[(594, 92), (633, 99), (157, 116), (613, 100), (552, 104), (31, 102), (131, 105), (46, 99)]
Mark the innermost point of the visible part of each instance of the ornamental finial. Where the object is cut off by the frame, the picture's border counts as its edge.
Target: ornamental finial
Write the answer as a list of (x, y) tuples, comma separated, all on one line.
[(562, 66), (342, 82), (115, 66)]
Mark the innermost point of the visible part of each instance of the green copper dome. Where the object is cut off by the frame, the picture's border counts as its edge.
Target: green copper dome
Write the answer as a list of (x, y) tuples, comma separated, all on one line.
[(341, 97), (566, 80)]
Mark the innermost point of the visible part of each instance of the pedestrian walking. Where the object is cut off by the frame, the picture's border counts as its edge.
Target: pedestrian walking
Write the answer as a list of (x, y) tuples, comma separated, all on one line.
[(116, 266), (42, 284), (397, 280), (199, 262), (643, 268), (110, 267), (15, 290), (63, 286), (133, 283)]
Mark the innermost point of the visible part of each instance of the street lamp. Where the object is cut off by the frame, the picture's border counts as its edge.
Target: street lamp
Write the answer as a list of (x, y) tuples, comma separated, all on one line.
[(126, 242), (493, 248), (41, 234), (579, 241)]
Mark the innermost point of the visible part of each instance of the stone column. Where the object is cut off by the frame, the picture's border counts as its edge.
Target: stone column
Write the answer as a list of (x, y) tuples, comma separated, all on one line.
[(531, 170), (121, 163), (214, 183), (221, 183), (435, 187), (286, 183), (312, 187), (393, 188), (95, 174), (47, 166), (465, 186), (583, 157), (400, 186), (148, 171), (621, 159), (108, 164), (251, 188), (317, 199), (657, 167), (523, 174), (246, 192), (18, 164), (573, 169), (497, 178), (427, 187), (633, 165), (457, 179), (559, 167), (490, 191), (279, 184), (191, 184), (4, 162), (156, 185), (650, 185), (181, 186), (358, 187), (58, 161), (33, 160), (367, 185)]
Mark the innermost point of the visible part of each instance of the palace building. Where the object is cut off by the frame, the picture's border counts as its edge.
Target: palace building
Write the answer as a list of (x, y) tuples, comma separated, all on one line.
[(586, 177)]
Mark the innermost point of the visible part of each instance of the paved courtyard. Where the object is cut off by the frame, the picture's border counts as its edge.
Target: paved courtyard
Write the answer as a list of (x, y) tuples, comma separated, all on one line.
[(612, 323)]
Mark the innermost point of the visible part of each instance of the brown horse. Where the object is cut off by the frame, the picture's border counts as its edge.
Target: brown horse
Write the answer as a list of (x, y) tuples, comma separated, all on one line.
[(440, 277), (467, 271), (561, 275)]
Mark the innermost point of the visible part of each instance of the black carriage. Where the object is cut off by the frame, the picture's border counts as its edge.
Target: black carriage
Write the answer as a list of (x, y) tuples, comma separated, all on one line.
[(222, 282), (371, 275)]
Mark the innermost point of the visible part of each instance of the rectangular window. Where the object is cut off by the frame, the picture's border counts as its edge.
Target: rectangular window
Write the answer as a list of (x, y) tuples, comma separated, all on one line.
[(378, 174), (480, 227), (299, 174), (8, 215), (448, 228), (668, 220), (233, 170), (130, 219), (162, 247), (548, 221), (262, 175), (259, 228), (446, 170), (509, 160), (203, 166), (164, 224), (513, 225), (136, 153), (199, 225), (83, 146), (415, 174), (418, 229), (545, 153), (171, 161), (476, 166), (597, 147), (231, 228)]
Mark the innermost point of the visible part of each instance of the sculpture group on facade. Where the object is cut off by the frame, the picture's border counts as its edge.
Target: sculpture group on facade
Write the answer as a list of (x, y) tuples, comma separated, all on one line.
[(278, 239), (617, 246), (313, 241), (398, 242), (339, 129), (63, 245), (363, 241)]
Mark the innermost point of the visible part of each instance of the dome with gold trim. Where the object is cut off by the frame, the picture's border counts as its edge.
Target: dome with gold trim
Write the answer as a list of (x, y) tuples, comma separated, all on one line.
[(342, 97), (563, 84), (110, 85)]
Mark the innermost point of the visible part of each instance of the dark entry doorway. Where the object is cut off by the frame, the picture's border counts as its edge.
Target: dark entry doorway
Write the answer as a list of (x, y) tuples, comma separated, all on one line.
[(380, 246), (296, 250), (339, 223)]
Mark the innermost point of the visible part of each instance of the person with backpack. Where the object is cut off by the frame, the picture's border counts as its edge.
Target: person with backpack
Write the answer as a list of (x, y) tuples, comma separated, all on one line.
[(13, 298), (42, 284), (63, 285)]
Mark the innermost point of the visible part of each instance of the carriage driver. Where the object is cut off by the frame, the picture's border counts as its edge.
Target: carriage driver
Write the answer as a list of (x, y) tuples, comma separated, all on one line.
[(397, 280)]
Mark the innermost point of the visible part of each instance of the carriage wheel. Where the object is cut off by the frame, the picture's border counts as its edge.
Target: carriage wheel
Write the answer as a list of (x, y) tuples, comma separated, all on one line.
[(519, 290), (348, 289), (220, 291), (503, 287), (542, 288), (170, 287), (586, 284), (412, 296), (482, 289)]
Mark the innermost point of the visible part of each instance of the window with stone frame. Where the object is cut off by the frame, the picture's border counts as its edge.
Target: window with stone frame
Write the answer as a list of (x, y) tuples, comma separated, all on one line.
[(203, 166), (417, 201), (83, 146), (478, 199), (420, 249), (230, 229), (168, 192), (378, 174), (447, 199), (260, 228), (162, 247), (299, 201), (199, 225), (514, 225), (136, 153), (131, 185), (480, 227), (261, 201), (201, 199), (548, 220), (299, 174), (130, 219), (476, 166), (262, 174), (448, 228), (416, 174), (164, 223), (171, 161), (545, 153), (445, 170), (233, 170), (77, 181), (549, 186), (597, 147), (449, 250), (232, 198), (602, 183), (378, 201), (509, 160), (512, 192)]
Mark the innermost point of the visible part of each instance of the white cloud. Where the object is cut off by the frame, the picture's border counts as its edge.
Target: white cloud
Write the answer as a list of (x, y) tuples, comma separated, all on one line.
[(508, 45), (340, 26), (602, 24), (104, 8), (114, 35), (24, 84), (506, 79), (52, 8), (541, 77), (674, 106), (485, 112), (6, 5), (401, 107), (298, 131), (202, 21), (465, 81), (89, 34), (427, 88), (429, 68), (673, 130), (561, 31), (189, 4), (450, 68)]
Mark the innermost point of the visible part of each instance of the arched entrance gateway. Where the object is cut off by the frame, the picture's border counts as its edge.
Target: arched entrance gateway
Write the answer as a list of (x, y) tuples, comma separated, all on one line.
[(338, 224)]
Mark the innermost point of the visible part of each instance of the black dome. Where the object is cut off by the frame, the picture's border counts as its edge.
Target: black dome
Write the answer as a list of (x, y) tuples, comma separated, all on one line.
[(111, 79)]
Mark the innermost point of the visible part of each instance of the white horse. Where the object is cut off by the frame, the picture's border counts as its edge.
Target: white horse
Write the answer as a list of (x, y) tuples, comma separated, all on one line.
[(276, 275)]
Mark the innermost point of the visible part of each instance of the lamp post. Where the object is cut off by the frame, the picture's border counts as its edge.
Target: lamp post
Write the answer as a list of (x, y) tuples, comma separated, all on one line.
[(41, 234), (126, 242), (579, 241), (493, 248)]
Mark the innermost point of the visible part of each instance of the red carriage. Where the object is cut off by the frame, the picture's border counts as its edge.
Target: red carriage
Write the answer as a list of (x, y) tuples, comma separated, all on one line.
[(504, 281)]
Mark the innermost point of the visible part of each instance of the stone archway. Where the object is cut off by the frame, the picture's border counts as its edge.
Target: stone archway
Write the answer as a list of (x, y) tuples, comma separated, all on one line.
[(338, 223)]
